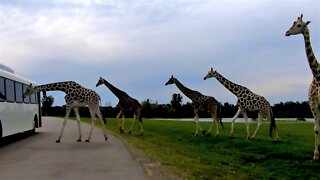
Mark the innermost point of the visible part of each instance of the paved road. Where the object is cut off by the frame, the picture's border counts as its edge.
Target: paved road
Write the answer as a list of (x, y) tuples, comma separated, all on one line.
[(39, 157)]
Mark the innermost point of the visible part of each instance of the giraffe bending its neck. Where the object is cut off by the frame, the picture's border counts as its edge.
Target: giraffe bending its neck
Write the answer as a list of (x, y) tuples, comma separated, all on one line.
[(300, 27), (199, 102), (76, 96), (126, 103), (247, 101)]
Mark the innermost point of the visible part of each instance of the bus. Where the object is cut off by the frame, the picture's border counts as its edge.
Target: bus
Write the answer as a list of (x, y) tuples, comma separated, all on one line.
[(17, 115)]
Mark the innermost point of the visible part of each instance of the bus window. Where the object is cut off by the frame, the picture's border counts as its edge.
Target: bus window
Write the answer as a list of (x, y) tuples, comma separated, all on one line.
[(18, 92), (26, 99), (10, 90), (2, 87), (33, 98)]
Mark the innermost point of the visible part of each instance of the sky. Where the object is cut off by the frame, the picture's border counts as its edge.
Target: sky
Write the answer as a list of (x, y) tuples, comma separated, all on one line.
[(138, 44)]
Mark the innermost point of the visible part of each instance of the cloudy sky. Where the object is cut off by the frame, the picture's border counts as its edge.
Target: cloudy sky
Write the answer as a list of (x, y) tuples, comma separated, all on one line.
[(138, 44)]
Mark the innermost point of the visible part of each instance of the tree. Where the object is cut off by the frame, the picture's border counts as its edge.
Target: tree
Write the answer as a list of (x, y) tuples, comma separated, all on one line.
[(176, 104), (47, 102)]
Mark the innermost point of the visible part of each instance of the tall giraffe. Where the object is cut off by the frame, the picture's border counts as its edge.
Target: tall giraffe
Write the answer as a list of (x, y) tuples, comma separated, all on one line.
[(300, 27), (126, 103), (76, 96), (247, 101), (200, 101)]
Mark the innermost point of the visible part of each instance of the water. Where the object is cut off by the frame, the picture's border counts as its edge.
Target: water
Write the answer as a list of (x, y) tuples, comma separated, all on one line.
[(238, 120)]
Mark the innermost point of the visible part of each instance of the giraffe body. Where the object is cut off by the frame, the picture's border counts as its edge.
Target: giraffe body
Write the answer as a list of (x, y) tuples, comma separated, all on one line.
[(200, 101), (76, 96), (301, 27), (247, 101), (126, 103)]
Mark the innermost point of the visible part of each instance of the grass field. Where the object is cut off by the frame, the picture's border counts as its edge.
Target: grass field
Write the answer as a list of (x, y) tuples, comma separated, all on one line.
[(173, 144)]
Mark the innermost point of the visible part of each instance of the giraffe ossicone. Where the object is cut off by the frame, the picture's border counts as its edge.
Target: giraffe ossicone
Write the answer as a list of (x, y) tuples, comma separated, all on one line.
[(126, 103), (200, 101), (247, 101), (76, 96), (301, 27)]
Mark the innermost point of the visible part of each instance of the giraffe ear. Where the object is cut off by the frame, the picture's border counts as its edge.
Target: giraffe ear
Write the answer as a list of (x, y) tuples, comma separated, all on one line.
[(171, 76), (211, 69), (308, 22)]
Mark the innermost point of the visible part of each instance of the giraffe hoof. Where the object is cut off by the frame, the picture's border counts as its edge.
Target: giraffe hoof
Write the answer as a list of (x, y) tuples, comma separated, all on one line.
[(217, 135), (141, 134), (105, 138), (79, 140), (204, 132), (208, 134), (87, 140), (129, 132), (58, 141), (196, 134)]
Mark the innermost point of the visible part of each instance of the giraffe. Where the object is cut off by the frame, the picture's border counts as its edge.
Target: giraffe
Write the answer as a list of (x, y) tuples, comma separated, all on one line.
[(76, 96), (126, 103), (247, 101), (300, 27), (200, 101)]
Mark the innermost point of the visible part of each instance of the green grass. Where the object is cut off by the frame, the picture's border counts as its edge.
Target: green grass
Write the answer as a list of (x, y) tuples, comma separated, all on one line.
[(208, 157)]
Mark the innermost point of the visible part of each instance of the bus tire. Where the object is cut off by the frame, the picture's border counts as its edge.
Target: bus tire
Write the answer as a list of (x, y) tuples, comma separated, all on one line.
[(35, 121), (1, 132)]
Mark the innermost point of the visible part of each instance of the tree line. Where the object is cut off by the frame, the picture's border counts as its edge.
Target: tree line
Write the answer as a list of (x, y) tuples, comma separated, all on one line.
[(176, 109)]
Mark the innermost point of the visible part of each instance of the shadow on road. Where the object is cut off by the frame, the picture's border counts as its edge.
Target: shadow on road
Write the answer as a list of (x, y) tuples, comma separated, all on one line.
[(15, 138)]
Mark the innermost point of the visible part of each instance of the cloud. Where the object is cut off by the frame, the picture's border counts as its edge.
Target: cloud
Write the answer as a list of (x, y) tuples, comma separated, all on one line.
[(139, 44)]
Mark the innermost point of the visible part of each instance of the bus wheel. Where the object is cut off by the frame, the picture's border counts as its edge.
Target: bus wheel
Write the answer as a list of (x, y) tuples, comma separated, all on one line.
[(1, 135)]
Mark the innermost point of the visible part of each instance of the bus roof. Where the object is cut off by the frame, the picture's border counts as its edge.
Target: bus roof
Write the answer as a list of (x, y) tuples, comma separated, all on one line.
[(15, 77)]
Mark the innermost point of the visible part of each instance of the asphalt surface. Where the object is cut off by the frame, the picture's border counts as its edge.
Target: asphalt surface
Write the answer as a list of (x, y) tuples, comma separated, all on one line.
[(39, 157)]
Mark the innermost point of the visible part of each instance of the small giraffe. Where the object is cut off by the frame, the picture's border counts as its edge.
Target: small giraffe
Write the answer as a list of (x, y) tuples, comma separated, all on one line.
[(200, 101), (247, 101), (76, 96), (300, 27), (126, 103)]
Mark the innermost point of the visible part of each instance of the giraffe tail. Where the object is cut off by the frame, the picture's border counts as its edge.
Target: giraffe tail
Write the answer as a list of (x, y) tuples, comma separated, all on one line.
[(272, 125)]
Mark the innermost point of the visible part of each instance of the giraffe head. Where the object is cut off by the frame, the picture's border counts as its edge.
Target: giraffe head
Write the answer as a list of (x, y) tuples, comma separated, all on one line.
[(30, 90), (172, 80), (298, 27), (101, 80), (210, 74)]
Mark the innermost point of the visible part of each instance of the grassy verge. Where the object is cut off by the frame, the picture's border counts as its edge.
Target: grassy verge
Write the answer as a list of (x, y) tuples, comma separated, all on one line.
[(206, 157)]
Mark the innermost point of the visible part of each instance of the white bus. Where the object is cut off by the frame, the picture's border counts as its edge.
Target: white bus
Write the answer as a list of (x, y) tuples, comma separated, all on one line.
[(17, 114)]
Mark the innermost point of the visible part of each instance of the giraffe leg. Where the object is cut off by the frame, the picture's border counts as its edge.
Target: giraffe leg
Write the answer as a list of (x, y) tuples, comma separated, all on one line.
[(259, 124), (122, 121), (317, 136), (93, 122), (316, 114), (76, 111), (134, 120), (247, 124), (198, 127), (232, 123), (215, 120), (118, 118), (102, 124), (68, 109)]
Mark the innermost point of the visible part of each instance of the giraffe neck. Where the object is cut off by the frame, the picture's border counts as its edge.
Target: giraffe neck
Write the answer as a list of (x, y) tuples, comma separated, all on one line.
[(117, 92), (186, 91), (313, 63), (232, 87), (59, 86)]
